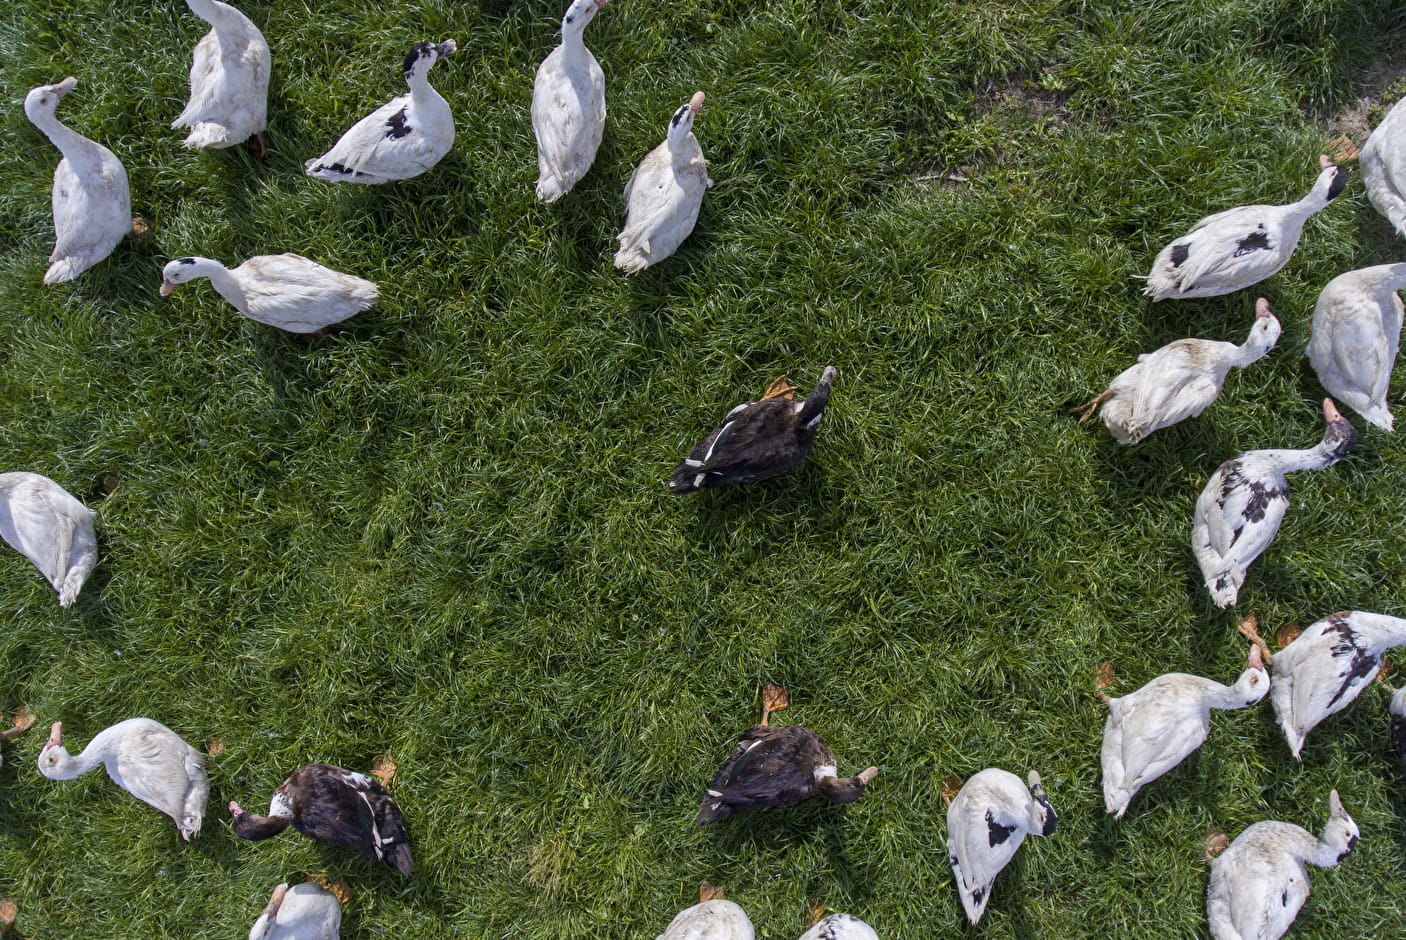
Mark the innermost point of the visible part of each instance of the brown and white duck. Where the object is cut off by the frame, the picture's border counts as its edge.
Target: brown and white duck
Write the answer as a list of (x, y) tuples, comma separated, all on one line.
[(332, 804), (777, 766), (1356, 333), (1178, 381), (1327, 666), (145, 758), (1260, 882), (758, 440), (1244, 502), (1241, 246)]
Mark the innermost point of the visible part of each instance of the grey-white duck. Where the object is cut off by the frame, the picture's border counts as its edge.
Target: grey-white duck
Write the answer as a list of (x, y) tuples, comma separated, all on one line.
[(229, 79), (46, 524), (1356, 334)]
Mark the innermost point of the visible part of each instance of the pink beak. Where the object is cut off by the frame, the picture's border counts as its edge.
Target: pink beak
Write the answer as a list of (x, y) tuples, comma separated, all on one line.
[(696, 102), (276, 900), (55, 735), (1256, 660), (1324, 162), (1330, 411), (1262, 309), (166, 287), (235, 809)]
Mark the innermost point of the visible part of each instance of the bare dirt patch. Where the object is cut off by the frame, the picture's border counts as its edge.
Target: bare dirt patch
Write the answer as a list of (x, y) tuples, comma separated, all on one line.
[(1384, 83)]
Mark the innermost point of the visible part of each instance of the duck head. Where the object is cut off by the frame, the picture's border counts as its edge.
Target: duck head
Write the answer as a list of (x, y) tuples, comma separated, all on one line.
[(264, 926), (1042, 815), (1253, 684), (1266, 329), (681, 124), (1340, 834), (579, 13), (423, 55), (53, 756), (1331, 180), (180, 271), (1339, 437), (846, 789), (41, 102)]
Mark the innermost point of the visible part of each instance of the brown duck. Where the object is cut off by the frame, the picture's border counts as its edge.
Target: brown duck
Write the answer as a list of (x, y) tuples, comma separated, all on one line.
[(758, 440), (331, 804), (774, 767)]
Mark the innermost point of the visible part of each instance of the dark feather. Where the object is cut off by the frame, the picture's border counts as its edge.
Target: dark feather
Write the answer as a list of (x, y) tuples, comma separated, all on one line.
[(770, 768)]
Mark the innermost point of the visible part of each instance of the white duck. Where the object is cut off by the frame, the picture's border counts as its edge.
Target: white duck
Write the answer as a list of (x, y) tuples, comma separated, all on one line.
[(1383, 165), (1245, 500), (145, 758), (1325, 668), (1241, 246), (44, 523), (1259, 883), (664, 195), (840, 927), (401, 139), (568, 106), (1356, 332), (229, 79), (287, 291), (92, 201), (1178, 381), (304, 912), (713, 918), (1152, 730), (987, 821)]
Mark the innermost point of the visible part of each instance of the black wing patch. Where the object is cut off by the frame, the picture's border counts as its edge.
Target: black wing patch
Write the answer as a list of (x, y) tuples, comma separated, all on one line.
[(1179, 254), (1255, 241), (396, 126), (995, 832)]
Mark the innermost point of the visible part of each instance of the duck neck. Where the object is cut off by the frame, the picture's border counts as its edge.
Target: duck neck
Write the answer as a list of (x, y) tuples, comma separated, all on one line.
[(420, 88), (1336, 842), (76, 148), (1387, 276), (1325, 190), (222, 279), (98, 751), (682, 145), (573, 36), (1334, 447), (211, 11), (1256, 346), (844, 789), (1237, 695), (256, 828)]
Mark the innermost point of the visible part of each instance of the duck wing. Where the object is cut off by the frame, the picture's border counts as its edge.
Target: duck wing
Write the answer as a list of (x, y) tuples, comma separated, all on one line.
[(568, 119), (153, 764), (384, 145), (771, 767), (1323, 671), (41, 521), (982, 838), (1233, 249), (293, 293), (1159, 726), (757, 441)]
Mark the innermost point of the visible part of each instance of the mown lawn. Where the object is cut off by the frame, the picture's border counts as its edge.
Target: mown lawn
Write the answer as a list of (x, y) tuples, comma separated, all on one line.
[(443, 533)]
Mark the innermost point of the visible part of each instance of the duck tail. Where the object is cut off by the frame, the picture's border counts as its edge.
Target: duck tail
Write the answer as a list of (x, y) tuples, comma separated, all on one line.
[(64, 269), (205, 134), (713, 809), (551, 188), (686, 478), (631, 260)]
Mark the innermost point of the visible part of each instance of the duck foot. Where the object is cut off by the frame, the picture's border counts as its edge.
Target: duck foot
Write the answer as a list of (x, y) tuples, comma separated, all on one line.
[(1087, 409), (707, 892), (1104, 680), (1249, 629), (8, 913), (140, 227), (258, 145), (779, 389), (774, 698), (24, 720)]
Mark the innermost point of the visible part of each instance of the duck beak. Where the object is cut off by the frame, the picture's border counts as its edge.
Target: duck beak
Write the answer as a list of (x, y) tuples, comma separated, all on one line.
[(1330, 411), (235, 809), (448, 47), (695, 104), (55, 735), (1262, 309), (1324, 162), (276, 900), (1256, 660), (64, 87), (166, 287)]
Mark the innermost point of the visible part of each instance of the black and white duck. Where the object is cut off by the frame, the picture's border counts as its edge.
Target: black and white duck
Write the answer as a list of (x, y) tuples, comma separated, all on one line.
[(775, 766), (1241, 246), (665, 194), (758, 440), (840, 927), (1327, 666), (401, 139), (987, 821), (1242, 505), (331, 804), (1260, 882)]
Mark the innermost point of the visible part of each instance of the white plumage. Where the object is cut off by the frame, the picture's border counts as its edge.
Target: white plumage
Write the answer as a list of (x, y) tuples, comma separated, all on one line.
[(1327, 666), (287, 291), (1152, 730), (402, 138), (840, 927), (1178, 381), (664, 195), (987, 821), (1259, 883), (568, 106), (145, 758), (717, 919), (92, 201), (1383, 165), (1356, 333), (305, 911), (1242, 505), (229, 79), (44, 523), (1241, 246)]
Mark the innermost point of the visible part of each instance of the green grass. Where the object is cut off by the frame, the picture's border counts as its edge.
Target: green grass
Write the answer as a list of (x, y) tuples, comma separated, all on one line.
[(443, 532)]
